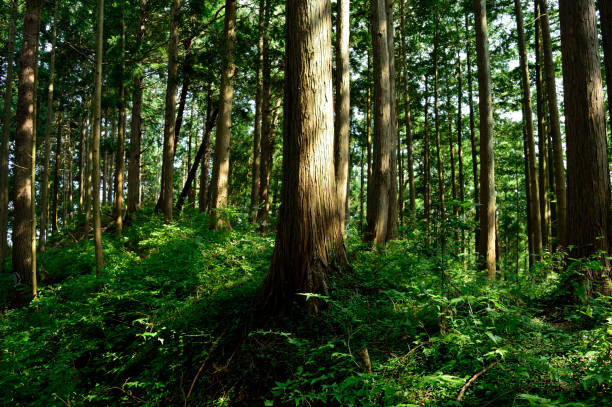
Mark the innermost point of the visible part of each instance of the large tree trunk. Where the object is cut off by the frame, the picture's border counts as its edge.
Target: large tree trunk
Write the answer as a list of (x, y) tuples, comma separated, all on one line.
[(532, 185), (258, 112), (393, 207), (487, 161), (136, 125), (342, 107), (555, 127), (378, 187), (23, 256), (167, 190), (589, 202), (220, 173), (605, 15), (44, 205), (120, 157), (4, 142), (96, 137), (309, 208), (473, 143)]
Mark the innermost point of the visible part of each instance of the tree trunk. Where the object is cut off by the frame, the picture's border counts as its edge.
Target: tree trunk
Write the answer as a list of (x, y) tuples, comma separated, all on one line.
[(427, 162), (487, 161), (136, 125), (220, 173), (589, 202), (407, 113), (4, 142), (473, 138), (267, 156), (392, 215), (605, 15), (378, 188), (342, 107), (96, 137), (82, 135), (120, 158), (555, 127), (23, 258), (453, 159), (309, 208), (88, 192), (167, 190), (258, 113), (532, 184), (56, 174), (203, 196), (437, 130), (44, 205)]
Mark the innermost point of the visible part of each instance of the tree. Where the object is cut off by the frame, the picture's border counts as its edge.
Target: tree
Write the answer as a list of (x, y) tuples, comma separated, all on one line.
[(4, 142), (588, 201), (534, 196), (23, 255), (120, 160), (487, 161), (167, 191), (605, 15), (95, 147), (342, 107), (220, 173), (309, 206)]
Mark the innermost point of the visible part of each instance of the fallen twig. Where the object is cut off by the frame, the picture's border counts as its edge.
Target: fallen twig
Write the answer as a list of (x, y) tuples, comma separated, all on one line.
[(195, 379), (473, 379)]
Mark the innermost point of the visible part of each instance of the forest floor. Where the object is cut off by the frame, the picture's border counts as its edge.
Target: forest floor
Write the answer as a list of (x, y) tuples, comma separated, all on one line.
[(173, 322)]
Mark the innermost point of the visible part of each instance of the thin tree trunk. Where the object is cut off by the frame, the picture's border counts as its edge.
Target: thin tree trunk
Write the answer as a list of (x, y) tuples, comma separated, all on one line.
[(439, 168), (532, 185), (453, 163), (407, 113), (204, 193), (487, 161), (473, 137), (378, 188), (82, 135), (393, 207), (342, 108), (555, 127), (56, 175), (136, 125), (167, 190), (23, 256), (120, 157), (267, 156), (96, 137), (589, 229), (427, 161), (87, 196), (4, 143), (220, 173), (309, 208), (69, 185)]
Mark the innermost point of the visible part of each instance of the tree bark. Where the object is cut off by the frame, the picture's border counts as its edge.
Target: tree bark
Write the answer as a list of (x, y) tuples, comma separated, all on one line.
[(589, 202), (487, 161), (120, 157), (167, 191), (96, 137), (203, 196), (309, 208), (342, 108), (4, 142), (378, 188), (393, 207), (439, 168), (532, 185), (23, 258), (555, 127), (56, 174), (605, 16), (473, 137), (220, 173), (427, 162)]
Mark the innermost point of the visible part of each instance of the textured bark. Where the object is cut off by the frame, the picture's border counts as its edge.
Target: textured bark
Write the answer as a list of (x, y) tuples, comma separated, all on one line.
[(378, 187), (473, 143), (460, 129), (120, 156), (258, 112), (136, 125), (587, 159), (487, 161), (555, 127), (194, 167), (342, 108), (439, 166), (203, 195), (453, 159), (605, 15), (95, 168), (308, 240), (427, 162), (4, 142), (393, 206), (167, 190), (44, 186), (533, 202), (23, 202), (220, 173), (88, 193)]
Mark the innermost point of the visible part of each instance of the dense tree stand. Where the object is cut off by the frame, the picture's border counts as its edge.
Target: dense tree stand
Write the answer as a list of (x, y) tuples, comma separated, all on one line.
[(309, 234)]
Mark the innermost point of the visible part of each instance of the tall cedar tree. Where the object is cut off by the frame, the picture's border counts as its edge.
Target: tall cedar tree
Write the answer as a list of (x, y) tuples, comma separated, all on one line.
[(587, 159), (309, 237), (120, 160)]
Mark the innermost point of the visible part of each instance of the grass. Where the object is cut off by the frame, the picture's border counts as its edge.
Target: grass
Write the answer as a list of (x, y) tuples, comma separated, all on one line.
[(173, 321)]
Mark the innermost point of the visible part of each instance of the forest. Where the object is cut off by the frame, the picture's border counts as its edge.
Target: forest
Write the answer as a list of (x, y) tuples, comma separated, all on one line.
[(306, 203)]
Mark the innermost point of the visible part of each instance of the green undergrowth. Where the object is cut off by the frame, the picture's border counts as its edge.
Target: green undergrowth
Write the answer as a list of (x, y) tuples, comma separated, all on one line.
[(174, 321)]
